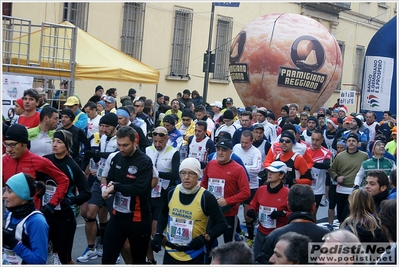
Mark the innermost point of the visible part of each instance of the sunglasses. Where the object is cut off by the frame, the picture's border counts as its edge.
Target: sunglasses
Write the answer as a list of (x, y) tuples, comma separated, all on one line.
[(285, 141), (138, 106), (159, 134)]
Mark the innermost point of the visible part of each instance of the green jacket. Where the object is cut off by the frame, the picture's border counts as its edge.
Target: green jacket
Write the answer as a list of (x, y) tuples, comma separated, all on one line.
[(373, 164), (33, 133)]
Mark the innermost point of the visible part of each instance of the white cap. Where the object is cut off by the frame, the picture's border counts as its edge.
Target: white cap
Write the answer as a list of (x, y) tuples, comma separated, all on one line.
[(277, 166), (218, 104)]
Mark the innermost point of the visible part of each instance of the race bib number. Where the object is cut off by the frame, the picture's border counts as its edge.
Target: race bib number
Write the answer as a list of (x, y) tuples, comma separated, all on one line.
[(101, 166), (50, 191), (264, 217), (216, 187), (156, 191), (122, 203), (181, 230)]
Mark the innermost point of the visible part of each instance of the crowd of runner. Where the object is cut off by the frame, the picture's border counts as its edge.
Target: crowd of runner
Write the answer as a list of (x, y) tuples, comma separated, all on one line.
[(171, 174)]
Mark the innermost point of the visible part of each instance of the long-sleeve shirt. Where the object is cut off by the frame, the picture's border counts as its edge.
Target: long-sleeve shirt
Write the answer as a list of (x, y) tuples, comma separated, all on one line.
[(232, 178), (34, 164), (252, 162)]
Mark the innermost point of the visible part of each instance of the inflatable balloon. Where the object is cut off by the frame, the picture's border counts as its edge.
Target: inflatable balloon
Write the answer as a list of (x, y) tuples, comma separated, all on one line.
[(285, 58), (379, 73)]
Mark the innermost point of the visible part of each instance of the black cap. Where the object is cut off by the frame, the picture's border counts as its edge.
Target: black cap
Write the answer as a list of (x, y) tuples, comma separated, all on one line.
[(228, 115), (68, 112), (225, 143), (169, 119), (285, 107), (109, 119), (271, 116), (229, 100), (353, 135), (99, 87), (17, 132), (289, 135), (358, 122)]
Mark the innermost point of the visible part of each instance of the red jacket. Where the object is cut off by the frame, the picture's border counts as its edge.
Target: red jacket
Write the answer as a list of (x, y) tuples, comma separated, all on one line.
[(32, 164)]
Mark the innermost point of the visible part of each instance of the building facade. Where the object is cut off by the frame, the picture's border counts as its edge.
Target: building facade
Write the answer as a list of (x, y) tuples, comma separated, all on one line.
[(173, 37)]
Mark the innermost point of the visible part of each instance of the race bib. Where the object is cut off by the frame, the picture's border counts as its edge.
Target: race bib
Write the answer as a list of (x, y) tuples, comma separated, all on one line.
[(264, 217), (10, 258), (50, 191), (100, 169), (216, 187), (181, 230), (122, 203), (156, 191)]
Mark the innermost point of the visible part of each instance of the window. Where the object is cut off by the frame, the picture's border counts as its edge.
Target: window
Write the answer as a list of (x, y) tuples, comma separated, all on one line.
[(341, 45), (77, 14), (7, 8), (222, 50), (181, 43), (132, 29), (357, 76)]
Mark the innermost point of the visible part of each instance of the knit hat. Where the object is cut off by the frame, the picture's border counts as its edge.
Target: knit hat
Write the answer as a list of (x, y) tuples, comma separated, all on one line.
[(263, 111), (99, 87), (60, 135), (373, 144), (169, 119), (20, 103), (69, 113), (187, 113), (17, 132), (277, 166), (19, 185), (288, 126), (354, 136), (289, 135), (228, 115), (342, 143), (298, 128), (225, 143), (343, 109), (109, 119), (348, 119), (271, 116), (191, 164), (333, 121), (312, 118)]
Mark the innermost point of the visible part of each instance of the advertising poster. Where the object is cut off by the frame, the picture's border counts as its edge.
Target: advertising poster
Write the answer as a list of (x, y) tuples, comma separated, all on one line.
[(13, 87)]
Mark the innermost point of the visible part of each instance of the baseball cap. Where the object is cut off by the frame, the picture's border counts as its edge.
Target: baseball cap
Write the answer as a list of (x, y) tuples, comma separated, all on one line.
[(348, 119), (277, 166), (354, 136), (229, 100), (224, 135), (258, 126), (110, 99), (225, 143), (71, 101), (217, 104)]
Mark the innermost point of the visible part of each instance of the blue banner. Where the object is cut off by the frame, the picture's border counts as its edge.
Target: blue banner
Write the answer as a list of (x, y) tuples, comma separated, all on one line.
[(227, 4)]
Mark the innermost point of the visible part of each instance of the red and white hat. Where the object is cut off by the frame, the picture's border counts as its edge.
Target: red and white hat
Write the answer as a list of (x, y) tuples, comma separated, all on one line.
[(333, 121)]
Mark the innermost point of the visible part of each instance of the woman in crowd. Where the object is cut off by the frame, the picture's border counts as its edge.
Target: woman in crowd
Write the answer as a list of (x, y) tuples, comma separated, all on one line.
[(196, 98), (25, 232), (271, 213), (63, 222), (363, 220)]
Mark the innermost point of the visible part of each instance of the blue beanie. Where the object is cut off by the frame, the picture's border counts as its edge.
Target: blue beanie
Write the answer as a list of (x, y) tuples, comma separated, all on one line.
[(20, 186), (122, 112), (342, 143)]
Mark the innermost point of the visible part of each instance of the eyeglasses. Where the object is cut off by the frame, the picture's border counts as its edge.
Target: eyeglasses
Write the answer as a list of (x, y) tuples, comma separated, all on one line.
[(10, 145), (285, 141), (190, 174), (159, 134)]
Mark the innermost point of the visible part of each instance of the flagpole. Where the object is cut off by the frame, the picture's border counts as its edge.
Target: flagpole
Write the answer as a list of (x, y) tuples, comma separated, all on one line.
[(208, 57)]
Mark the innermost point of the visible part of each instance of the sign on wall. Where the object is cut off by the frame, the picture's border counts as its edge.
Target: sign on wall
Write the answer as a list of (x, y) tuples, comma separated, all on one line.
[(13, 87), (347, 97)]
